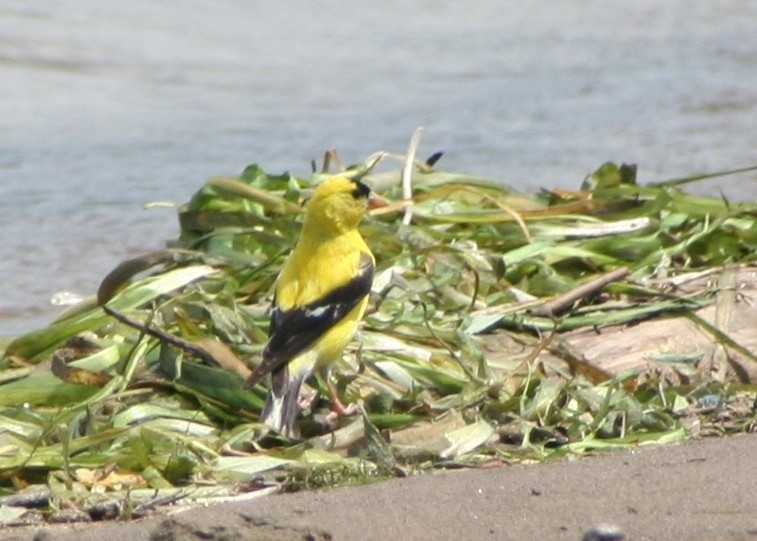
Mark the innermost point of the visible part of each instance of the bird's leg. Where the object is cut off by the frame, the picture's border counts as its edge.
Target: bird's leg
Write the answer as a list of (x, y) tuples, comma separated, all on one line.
[(338, 409)]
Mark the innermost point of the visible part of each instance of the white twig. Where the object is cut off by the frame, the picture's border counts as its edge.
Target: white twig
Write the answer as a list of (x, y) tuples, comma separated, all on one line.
[(407, 172)]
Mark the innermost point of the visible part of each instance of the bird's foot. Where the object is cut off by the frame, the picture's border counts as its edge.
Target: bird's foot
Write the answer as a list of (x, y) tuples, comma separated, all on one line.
[(339, 410), (337, 407), (306, 401)]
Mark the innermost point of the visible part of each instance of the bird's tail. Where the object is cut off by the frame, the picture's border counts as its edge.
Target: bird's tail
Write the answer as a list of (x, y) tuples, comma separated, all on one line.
[(281, 407)]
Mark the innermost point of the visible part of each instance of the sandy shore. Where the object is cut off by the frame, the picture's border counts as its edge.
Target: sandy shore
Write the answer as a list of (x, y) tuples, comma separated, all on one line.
[(693, 491)]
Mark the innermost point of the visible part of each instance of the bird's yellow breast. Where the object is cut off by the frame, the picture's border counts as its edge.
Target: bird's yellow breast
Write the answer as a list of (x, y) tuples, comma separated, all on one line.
[(317, 267), (329, 348), (312, 272)]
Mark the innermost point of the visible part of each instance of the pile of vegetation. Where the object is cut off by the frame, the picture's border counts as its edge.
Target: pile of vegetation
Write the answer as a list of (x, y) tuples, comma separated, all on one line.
[(473, 350)]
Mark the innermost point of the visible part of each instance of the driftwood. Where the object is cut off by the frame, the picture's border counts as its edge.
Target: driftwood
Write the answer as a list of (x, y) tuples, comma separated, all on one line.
[(719, 341)]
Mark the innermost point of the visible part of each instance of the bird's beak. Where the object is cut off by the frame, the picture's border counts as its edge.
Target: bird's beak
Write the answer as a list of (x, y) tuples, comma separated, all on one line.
[(376, 201)]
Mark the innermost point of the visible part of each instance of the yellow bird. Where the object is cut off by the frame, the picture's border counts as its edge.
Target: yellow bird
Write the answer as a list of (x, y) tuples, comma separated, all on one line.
[(320, 297)]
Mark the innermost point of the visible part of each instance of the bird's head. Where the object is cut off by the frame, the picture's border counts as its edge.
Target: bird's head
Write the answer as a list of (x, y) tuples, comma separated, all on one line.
[(339, 203)]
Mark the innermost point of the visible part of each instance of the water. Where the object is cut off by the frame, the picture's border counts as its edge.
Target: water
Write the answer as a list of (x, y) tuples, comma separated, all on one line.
[(105, 106)]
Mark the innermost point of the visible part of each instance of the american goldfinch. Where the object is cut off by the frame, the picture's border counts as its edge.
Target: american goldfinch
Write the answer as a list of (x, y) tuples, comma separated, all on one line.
[(320, 296)]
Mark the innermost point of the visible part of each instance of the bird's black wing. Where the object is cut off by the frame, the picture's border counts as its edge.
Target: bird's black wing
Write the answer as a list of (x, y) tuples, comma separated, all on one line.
[(292, 331)]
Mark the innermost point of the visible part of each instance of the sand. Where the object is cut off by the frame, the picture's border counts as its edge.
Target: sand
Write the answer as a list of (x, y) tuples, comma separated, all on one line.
[(692, 491)]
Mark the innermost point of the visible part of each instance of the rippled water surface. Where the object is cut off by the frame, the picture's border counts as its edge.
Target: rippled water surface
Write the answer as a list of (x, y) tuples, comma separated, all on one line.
[(105, 106)]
